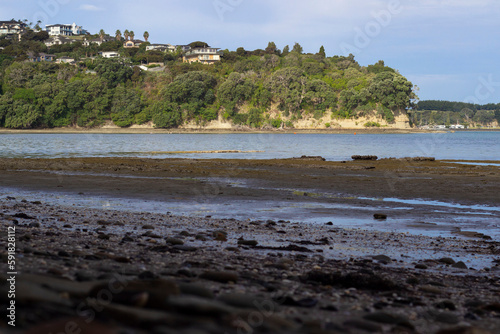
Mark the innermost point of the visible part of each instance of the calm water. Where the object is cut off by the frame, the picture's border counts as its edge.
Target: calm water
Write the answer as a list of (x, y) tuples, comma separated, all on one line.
[(458, 145)]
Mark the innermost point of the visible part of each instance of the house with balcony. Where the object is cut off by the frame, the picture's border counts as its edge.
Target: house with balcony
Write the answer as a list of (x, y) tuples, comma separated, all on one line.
[(65, 30), (12, 27), (202, 55), (132, 43)]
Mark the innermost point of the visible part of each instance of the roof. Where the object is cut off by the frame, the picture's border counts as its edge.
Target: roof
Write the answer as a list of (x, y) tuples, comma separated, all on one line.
[(12, 22)]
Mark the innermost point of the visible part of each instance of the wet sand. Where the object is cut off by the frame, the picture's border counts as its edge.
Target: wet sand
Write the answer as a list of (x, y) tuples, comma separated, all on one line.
[(252, 275)]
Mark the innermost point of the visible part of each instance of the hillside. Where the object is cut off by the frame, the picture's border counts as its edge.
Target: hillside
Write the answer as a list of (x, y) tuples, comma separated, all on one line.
[(432, 112), (259, 89)]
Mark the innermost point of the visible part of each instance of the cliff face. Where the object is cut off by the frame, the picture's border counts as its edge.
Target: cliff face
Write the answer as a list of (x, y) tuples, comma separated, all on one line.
[(328, 121)]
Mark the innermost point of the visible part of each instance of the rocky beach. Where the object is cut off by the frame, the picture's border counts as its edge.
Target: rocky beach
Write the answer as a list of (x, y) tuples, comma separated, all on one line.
[(101, 268)]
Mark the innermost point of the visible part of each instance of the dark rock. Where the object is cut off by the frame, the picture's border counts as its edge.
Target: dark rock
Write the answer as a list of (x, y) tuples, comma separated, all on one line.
[(36, 225), (63, 254), (421, 266), (220, 276), (251, 243), (447, 260), (312, 158), (150, 234), (446, 305), (103, 236), (459, 265), (382, 258), (359, 280), (174, 241), (185, 248), (290, 248), (147, 275), (122, 259), (22, 216), (380, 216), (127, 239), (329, 224), (364, 157), (148, 227)]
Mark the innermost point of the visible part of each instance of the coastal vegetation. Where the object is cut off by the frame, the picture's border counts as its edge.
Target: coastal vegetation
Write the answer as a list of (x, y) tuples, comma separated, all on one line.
[(261, 88), (432, 112)]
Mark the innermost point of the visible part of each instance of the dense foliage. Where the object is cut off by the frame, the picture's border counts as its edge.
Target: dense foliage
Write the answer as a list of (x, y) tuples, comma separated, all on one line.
[(433, 112), (264, 87)]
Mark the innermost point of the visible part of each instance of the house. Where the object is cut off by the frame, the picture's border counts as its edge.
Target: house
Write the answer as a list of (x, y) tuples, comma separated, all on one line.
[(35, 58), (65, 30), (58, 40), (161, 47), (98, 40), (202, 55), (12, 27), (109, 54), (133, 43), (457, 126), (66, 60)]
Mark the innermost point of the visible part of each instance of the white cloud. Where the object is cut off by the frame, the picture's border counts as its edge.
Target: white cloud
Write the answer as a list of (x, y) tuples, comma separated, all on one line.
[(90, 8)]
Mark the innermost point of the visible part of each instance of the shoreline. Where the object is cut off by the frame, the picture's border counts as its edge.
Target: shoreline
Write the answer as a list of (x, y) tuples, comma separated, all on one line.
[(230, 131), (138, 268), (165, 272)]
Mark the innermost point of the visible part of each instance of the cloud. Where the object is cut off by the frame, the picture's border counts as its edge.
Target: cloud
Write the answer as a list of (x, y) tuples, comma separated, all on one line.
[(90, 8)]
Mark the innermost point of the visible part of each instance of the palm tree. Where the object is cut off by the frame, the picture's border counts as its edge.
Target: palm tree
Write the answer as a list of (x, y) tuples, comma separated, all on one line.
[(102, 34), (132, 35), (118, 35), (126, 33), (146, 36)]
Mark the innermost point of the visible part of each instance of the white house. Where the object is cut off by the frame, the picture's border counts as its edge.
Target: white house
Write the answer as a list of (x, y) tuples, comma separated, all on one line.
[(58, 40), (65, 29), (161, 47), (109, 54)]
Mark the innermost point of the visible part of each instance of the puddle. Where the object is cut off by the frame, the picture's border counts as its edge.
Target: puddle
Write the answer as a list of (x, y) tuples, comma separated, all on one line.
[(340, 214)]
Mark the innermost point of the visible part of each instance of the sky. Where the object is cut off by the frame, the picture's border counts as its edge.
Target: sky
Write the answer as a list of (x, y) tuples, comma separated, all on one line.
[(448, 48)]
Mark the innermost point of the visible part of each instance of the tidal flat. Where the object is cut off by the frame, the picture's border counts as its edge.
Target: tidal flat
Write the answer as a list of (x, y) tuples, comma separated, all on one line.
[(113, 245)]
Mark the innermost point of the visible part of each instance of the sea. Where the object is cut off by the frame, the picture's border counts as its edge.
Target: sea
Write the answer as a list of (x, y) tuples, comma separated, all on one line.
[(469, 147), (466, 145)]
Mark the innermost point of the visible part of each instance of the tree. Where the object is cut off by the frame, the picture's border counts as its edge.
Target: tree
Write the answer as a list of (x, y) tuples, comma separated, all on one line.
[(126, 33), (102, 34), (198, 44), (146, 36), (125, 105), (297, 48), (322, 52), (286, 50), (271, 48), (132, 35), (113, 71), (118, 35), (240, 51)]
